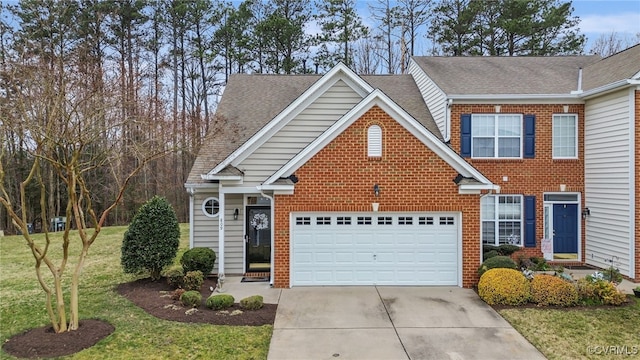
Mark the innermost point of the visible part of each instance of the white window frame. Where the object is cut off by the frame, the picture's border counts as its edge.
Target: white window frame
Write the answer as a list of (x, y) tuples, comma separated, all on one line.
[(496, 136), (555, 141), (206, 208), (496, 220), (374, 141)]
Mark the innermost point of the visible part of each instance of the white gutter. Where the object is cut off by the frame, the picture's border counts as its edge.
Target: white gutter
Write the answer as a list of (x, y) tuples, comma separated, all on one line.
[(221, 177), (492, 187), (609, 87), (498, 97)]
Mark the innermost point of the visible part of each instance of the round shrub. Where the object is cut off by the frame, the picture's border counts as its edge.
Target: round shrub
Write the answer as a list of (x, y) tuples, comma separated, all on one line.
[(193, 280), (191, 298), (508, 249), (552, 290), (198, 259), (599, 292), (489, 254), (152, 240), (219, 302), (254, 302), (497, 262), (174, 276), (504, 287)]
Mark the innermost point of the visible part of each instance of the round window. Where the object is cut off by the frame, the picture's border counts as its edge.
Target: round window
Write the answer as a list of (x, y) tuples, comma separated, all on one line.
[(211, 207)]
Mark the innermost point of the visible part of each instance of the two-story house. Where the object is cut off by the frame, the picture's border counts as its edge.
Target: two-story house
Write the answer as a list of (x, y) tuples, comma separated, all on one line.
[(343, 179)]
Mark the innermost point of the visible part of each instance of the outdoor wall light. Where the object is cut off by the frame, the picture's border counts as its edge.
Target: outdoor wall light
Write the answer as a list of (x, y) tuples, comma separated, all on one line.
[(235, 214), (586, 212), (376, 190)]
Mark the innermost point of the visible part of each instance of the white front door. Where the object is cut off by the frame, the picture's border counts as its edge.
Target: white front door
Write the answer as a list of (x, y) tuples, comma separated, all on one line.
[(375, 249)]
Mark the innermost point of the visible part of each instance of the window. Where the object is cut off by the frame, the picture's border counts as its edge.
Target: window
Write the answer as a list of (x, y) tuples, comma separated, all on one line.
[(385, 220), (211, 207), (501, 219), (496, 135), (343, 220), (303, 220), (425, 220), (323, 220), (446, 220), (364, 220), (374, 141), (565, 136), (405, 220)]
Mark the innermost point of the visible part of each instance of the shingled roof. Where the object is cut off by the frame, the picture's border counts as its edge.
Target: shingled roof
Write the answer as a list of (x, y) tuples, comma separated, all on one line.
[(249, 102), (492, 75), (621, 66)]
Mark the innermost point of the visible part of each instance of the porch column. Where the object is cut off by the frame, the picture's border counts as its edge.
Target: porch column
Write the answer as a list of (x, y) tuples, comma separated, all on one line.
[(221, 231)]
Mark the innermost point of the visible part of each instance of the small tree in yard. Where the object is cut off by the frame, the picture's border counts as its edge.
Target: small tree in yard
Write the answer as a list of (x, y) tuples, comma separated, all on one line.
[(152, 241)]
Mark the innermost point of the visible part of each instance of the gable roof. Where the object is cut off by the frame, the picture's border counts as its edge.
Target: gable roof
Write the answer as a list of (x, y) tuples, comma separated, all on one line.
[(620, 66), (252, 102), (498, 75), (379, 98)]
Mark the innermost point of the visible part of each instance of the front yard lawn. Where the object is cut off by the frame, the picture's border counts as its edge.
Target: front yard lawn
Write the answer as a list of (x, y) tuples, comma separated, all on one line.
[(137, 335), (603, 333)]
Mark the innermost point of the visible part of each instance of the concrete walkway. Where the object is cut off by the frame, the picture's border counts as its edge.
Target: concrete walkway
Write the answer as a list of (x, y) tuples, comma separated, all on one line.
[(370, 322)]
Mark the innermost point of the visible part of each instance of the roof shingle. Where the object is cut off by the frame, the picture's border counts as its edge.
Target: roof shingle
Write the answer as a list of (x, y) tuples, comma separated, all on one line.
[(495, 75)]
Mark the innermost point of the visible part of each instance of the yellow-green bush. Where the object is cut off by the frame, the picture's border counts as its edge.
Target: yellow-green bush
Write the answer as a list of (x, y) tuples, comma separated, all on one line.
[(599, 292), (503, 286), (552, 290)]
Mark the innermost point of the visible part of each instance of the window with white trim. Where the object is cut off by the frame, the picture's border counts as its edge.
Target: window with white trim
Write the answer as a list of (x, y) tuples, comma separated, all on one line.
[(565, 136), (374, 141), (501, 219), (496, 135), (211, 207)]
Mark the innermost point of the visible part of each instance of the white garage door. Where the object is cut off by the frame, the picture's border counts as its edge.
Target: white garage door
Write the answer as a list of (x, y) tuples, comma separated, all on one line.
[(375, 248)]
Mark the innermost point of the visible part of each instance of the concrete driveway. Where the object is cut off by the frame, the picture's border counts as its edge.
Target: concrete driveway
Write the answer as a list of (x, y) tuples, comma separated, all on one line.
[(392, 323)]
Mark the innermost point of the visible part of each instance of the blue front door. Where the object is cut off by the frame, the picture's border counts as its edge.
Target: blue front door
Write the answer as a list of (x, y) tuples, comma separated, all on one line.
[(565, 228)]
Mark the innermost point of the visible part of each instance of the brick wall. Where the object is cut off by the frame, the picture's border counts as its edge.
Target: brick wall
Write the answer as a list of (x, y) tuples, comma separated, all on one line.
[(411, 177), (531, 176)]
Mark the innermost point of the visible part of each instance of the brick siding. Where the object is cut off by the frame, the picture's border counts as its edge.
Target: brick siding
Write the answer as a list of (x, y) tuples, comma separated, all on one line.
[(411, 177), (531, 176)]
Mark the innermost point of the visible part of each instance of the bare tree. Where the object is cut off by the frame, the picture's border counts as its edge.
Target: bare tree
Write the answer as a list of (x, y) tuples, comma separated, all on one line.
[(608, 44), (59, 126)]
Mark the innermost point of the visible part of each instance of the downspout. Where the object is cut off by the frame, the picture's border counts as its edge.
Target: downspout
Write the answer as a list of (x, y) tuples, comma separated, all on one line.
[(221, 200), (192, 193), (447, 120), (273, 239)]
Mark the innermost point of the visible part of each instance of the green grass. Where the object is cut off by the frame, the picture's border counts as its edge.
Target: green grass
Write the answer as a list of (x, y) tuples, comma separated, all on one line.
[(137, 335), (580, 334)]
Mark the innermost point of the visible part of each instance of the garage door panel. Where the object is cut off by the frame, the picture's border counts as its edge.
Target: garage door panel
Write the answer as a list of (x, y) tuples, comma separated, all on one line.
[(383, 249)]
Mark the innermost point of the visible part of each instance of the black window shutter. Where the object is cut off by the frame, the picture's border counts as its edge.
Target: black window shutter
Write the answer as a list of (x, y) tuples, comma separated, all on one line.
[(530, 221), (529, 136), (465, 135)]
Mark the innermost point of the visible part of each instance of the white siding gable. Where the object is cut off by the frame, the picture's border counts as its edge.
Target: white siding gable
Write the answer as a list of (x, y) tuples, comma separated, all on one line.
[(609, 182), (298, 133), (434, 97)]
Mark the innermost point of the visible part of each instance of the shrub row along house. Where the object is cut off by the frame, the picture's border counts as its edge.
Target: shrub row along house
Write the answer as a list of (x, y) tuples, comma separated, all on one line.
[(343, 179)]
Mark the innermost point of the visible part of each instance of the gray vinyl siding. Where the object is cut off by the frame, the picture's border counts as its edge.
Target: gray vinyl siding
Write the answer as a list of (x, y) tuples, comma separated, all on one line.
[(433, 97), (608, 181), (205, 232), (298, 133)]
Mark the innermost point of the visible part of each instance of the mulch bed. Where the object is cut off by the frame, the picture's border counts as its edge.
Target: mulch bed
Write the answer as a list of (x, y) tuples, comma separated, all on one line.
[(155, 298), (152, 296), (43, 342)]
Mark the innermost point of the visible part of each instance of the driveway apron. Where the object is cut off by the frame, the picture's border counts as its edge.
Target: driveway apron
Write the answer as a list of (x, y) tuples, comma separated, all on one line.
[(389, 322)]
